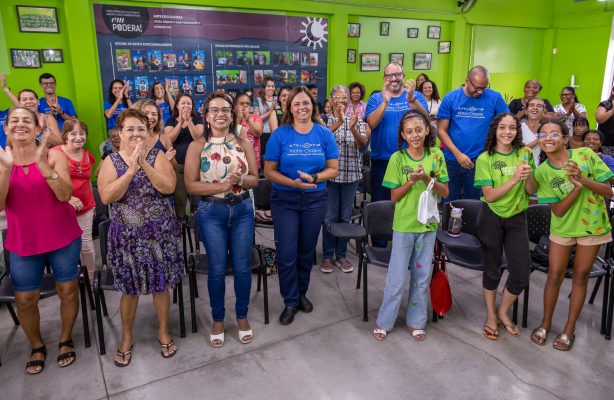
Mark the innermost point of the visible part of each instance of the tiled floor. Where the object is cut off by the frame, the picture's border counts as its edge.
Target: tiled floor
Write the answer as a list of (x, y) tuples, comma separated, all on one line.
[(328, 354)]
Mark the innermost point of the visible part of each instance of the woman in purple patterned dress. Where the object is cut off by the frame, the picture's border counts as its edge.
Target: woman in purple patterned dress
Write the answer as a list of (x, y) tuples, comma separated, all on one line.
[(144, 242)]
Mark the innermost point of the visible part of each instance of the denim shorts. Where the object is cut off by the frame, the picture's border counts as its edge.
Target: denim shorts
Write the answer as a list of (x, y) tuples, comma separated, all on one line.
[(27, 272)]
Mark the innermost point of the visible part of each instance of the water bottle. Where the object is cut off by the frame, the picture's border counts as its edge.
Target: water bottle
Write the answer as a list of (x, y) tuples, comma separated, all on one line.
[(455, 223)]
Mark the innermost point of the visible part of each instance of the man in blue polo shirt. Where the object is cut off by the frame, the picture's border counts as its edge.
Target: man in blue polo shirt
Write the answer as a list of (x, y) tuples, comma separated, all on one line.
[(463, 120), (61, 107), (383, 114)]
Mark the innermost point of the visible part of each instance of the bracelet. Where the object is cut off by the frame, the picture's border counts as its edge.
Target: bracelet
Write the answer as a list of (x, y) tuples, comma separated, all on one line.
[(315, 178), (241, 181)]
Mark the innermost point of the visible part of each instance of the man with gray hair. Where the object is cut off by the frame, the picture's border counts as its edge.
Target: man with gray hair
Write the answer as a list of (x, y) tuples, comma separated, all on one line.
[(463, 120)]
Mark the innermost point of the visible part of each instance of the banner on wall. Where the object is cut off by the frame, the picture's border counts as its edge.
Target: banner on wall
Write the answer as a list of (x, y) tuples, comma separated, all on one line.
[(200, 51)]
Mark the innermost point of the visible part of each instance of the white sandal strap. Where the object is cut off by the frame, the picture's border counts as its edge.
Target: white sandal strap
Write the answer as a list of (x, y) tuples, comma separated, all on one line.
[(243, 334), (378, 331), (219, 336), (417, 332)]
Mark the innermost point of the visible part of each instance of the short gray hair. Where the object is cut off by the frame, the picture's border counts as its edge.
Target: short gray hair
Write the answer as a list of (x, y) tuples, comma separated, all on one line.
[(340, 87)]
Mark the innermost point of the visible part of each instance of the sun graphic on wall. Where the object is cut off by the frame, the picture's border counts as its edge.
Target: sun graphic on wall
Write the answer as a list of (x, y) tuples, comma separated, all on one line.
[(315, 32)]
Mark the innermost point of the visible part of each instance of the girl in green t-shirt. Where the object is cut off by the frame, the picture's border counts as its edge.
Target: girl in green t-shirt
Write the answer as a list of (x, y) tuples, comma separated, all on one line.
[(574, 184), (503, 172), (408, 173)]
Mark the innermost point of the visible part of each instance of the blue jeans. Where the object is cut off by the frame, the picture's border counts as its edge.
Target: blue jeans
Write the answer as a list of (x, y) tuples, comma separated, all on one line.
[(461, 178), (227, 230), (339, 209), (27, 271), (415, 250), (297, 219)]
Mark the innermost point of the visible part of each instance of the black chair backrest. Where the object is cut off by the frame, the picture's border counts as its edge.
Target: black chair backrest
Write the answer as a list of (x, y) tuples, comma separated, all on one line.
[(538, 221), (366, 159), (378, 219), (262, 195), (103, 230), (101, 209), (471, 212), (366, 181)]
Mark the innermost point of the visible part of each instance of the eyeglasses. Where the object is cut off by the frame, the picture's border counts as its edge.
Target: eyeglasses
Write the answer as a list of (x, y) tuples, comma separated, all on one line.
[(244, 103), (552, 135), (477, 89), (216, 110), (339, 97), (397, 75)]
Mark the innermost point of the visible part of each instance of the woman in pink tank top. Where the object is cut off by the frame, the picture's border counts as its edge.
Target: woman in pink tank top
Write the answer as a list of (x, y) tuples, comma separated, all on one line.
[(42, 227)]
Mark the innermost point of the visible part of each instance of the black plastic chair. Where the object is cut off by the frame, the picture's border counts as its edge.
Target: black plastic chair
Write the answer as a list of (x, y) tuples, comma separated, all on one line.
[(47, 289), (378, 218), (538, 218), (197, 263), (101, 212), (103, 280), (466, 250)]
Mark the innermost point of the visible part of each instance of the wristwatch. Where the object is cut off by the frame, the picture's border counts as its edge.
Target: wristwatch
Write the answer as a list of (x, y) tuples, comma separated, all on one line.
[(314, 177), (52, 176)]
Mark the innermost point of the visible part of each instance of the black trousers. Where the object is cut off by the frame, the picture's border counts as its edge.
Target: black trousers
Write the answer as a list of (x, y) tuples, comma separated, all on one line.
[(510, 234)]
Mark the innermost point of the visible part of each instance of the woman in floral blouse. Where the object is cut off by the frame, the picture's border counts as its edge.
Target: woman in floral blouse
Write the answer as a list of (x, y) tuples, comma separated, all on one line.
[(220, 168)]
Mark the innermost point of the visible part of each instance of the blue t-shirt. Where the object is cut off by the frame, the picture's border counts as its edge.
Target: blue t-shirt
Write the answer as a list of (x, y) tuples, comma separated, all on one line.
[(295, 151), (2, 124), (66, 105), (385, 136), (166, 111), (112, 122), (608, 160), (470, 119)]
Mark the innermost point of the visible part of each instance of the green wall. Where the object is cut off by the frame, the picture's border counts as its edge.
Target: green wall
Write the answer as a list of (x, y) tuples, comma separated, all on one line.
[(513, 38)]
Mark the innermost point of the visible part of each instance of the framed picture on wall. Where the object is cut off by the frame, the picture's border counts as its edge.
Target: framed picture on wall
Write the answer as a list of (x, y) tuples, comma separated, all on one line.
[(351, 58), (412, 32), (422, 61), (384, 28), (37, 19), (369, 61), (434, 32), (25, 58), (397, 58), (444, 47), (354, 30), (52, 56)]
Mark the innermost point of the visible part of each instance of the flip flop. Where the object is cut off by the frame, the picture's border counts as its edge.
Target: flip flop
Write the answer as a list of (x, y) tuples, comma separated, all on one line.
[(490, 333), (167, 347), (565, 341), (512, 329), (379, 334), (123, 355)]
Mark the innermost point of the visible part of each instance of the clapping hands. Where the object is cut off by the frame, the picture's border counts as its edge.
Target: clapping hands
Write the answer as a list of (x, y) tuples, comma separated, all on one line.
[(304, 181)]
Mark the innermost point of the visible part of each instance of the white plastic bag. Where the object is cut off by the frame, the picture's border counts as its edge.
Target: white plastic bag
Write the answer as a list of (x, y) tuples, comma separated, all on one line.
[(428, 213)]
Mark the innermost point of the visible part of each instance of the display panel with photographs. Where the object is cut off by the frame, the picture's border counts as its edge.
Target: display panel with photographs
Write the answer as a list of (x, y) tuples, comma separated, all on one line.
[(37, 19), (422, 61), (397, 58), (52, 56), (200, 57)]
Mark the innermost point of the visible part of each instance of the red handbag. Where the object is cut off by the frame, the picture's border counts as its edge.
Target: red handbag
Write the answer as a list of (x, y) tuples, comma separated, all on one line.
[(441, 295)]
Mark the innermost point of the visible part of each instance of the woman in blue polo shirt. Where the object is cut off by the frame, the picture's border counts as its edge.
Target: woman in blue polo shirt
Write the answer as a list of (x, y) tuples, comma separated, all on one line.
[(301, 155)]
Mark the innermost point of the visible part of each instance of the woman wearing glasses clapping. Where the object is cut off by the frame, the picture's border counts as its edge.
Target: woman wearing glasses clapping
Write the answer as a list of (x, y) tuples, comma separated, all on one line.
[(220, 167)]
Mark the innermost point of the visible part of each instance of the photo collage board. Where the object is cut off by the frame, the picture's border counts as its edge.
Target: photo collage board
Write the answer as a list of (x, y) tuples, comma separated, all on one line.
[(232, 52)]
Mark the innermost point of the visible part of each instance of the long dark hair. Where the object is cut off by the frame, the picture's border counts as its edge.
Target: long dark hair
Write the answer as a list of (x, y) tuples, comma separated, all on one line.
[(288, 118), (153, 91), (111, 95), (218, 94), (176, 106), (435, 94), (573, 91), (429, 139), (557, 122), (491, 138), (266, 80)]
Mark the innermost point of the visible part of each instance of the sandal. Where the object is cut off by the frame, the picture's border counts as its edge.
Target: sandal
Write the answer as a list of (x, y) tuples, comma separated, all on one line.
[(418, 335), (37, 363), (565, 341), (379, 334), (249, 334), (490, 333), (539, 336), (123, 355), (68, 354), (167, 347), (219, 338), (512, 329)]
